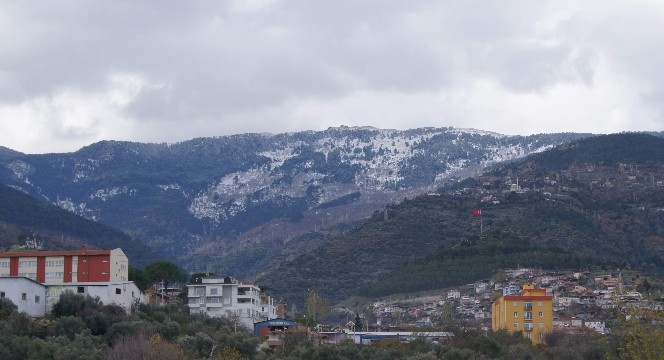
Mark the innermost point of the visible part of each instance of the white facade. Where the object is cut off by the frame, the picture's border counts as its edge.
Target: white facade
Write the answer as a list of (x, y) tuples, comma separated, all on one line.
[(596, 325), (123, 294), (37, 299), (28, 295), (219, 297), (55, 269), (454, 294), (119, 266)]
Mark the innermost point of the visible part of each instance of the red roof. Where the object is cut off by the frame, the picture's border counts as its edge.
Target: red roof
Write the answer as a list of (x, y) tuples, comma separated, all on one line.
[(526, 297), (54, 253)]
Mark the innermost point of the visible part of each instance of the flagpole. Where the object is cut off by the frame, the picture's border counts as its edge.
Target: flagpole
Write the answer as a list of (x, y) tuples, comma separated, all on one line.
[(478, 212), (480, 226)]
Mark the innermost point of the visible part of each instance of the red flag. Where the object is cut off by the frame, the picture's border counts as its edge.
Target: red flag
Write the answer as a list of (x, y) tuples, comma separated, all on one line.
[(476, 212)]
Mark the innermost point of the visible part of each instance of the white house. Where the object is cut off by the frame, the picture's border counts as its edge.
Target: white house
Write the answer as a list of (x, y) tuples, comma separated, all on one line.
[(228, 297), (596, 325), (37, 299), (123, 294), (453, 294), (28, 295), (511, 289)]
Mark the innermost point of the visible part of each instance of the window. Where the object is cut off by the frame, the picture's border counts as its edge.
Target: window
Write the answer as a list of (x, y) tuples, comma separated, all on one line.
[(515, 304), (213, 291), (2, 294), (37, 299), (53, 275), (528, 335), (539, 303), (528, 326), (541, 314), (541, 325), (74, 262), (80, 290), (516, 325), (4, 264), (528, 315), (118, 291), (528, 305), (24, 296), (55, 263), (516, 314), (541, 336), (104, 272)]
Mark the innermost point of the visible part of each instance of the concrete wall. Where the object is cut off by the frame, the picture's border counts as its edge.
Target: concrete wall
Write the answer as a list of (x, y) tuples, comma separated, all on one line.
[(28, 295), (123, 294)]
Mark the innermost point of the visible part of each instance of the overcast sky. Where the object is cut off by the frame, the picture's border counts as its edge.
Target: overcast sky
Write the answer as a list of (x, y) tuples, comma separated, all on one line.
[(76, 72)]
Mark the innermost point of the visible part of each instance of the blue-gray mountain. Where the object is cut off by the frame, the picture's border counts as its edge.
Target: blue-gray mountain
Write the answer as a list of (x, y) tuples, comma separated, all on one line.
[(216, 201)]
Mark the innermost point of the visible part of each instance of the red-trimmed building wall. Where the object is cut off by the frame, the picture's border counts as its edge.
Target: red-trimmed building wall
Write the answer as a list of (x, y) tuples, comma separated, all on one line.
[(67, 277), (13, 266), (41, 269), (94, 268), (93, 265)]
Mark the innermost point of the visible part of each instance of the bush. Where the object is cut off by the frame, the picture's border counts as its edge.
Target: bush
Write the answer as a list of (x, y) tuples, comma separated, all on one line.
[(7, 307), (71, 304)]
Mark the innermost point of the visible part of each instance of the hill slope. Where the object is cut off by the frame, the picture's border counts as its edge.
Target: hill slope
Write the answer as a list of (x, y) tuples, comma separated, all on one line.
[(595, 202), (22, 215), (214, 199)]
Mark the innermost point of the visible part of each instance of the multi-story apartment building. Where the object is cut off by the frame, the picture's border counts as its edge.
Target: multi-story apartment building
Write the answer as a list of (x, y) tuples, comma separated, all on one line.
[(34, 280), (57, 267), (228, 297), (531, 312)]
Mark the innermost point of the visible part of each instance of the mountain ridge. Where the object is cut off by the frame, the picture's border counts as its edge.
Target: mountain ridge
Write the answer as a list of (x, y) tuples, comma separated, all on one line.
[(180, 197)]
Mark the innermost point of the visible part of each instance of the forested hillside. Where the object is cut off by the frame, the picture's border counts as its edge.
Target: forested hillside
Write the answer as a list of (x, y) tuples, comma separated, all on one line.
[(590, 208), (220, 201), (23, 217)]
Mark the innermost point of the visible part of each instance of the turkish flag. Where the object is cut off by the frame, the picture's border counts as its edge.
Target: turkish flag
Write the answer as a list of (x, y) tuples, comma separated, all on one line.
[(476, 212)]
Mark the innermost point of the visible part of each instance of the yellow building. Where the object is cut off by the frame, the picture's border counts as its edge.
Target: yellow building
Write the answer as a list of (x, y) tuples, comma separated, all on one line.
[(531, 312)]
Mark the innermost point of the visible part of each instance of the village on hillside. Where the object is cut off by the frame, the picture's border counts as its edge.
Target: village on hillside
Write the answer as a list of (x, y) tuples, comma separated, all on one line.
[(580, 302)]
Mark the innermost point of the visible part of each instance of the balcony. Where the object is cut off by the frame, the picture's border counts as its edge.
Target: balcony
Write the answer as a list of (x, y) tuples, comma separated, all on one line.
[(196, 292), (214, 305)]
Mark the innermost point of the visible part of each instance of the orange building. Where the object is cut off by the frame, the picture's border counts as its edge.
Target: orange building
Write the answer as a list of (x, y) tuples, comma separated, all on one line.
[(531, 313)]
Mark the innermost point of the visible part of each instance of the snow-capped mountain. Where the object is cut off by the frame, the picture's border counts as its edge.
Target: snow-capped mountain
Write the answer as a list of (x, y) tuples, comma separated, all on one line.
[(223, 194)]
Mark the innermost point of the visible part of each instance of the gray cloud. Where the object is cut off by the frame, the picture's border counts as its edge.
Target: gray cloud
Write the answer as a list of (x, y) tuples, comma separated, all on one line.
[(77, 72)]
